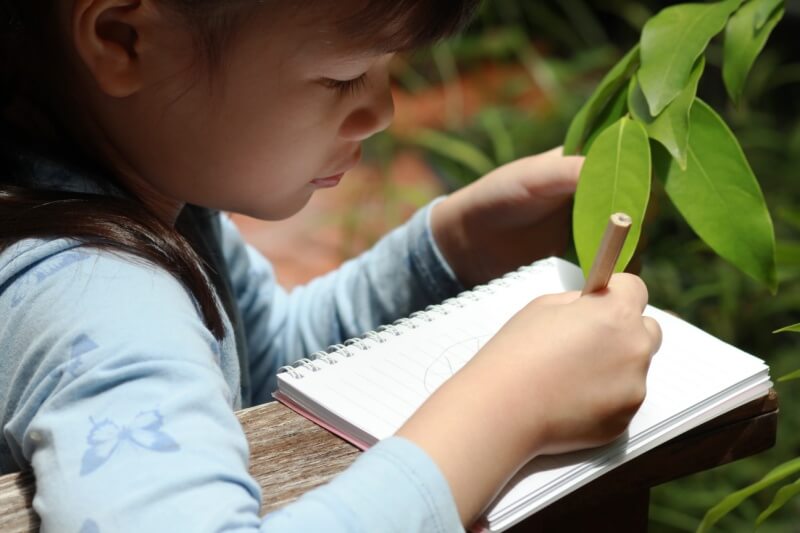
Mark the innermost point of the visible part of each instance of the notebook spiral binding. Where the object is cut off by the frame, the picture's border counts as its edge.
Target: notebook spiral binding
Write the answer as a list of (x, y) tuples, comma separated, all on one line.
[(338, 352)]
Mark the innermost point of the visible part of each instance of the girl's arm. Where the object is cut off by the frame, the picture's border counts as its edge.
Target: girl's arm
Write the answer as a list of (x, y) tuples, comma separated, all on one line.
[(114, 394), (402, 273)]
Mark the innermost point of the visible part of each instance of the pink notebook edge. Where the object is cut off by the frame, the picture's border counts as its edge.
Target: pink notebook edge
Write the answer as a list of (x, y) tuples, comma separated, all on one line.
[(285, 400)]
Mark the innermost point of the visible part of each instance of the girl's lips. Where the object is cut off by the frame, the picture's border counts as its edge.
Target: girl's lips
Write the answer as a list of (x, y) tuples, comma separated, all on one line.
[(333, 181), (326, 183)]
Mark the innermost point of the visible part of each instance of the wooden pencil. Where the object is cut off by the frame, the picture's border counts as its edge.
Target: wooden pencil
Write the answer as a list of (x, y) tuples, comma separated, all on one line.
[(619, 224)]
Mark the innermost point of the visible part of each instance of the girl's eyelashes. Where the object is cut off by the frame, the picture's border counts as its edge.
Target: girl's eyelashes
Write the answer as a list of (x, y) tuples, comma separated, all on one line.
[(345, 87)]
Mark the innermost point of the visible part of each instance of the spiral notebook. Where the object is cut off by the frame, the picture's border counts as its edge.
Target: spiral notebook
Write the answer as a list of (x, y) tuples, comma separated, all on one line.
[(365, 389)]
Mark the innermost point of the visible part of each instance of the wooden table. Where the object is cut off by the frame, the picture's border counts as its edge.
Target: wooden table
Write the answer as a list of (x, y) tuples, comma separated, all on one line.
[(290, 456)]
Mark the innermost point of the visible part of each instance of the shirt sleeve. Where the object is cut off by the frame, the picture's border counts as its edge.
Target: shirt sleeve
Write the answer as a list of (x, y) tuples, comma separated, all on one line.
[(404, 272), (122, 411)]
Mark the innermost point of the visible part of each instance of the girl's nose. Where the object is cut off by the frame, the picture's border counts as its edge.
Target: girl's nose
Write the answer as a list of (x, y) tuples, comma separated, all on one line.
[(367, 120)]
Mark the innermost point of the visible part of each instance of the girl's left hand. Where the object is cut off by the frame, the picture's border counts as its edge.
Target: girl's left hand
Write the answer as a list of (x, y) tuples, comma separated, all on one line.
[(513, 216)]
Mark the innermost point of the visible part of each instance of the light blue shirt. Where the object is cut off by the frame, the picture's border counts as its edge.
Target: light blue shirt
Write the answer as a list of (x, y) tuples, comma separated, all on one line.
[(122, 402)]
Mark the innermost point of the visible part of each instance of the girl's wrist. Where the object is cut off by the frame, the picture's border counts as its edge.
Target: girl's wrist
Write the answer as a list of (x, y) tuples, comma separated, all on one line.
[(501, 410), (451, 238), (477, 440)]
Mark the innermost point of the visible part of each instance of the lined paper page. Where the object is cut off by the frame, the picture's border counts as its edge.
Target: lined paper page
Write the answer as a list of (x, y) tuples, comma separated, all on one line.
[(377, 390)]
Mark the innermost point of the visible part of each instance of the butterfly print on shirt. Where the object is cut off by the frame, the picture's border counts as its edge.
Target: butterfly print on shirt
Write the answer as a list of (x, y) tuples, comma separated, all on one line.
[(82, 345), (106, 437)]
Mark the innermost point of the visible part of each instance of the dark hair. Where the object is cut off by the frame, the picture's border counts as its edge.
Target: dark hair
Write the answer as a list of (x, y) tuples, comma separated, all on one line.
[(28, 62)]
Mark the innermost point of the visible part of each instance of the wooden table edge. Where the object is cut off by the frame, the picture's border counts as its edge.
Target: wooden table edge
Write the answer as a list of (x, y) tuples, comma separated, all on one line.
[(17, 490)]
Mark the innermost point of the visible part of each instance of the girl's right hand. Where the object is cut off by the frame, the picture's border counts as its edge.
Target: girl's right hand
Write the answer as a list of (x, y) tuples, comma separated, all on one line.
[(574, 366), (567, 372)]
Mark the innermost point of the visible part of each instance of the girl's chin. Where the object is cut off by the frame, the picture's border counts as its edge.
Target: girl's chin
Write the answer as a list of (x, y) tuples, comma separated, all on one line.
[(278, 210)]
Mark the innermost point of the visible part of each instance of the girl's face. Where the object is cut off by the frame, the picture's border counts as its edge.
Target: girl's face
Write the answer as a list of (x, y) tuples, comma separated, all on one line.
[(278, 120)]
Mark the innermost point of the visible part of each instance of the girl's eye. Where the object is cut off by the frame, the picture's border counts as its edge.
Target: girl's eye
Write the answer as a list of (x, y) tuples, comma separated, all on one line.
[(345, 87)]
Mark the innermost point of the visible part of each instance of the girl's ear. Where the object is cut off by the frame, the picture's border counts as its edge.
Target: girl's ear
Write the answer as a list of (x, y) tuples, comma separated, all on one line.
[(106, 35)]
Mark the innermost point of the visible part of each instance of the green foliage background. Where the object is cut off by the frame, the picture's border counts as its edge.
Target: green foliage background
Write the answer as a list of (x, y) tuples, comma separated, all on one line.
[(563, 48)]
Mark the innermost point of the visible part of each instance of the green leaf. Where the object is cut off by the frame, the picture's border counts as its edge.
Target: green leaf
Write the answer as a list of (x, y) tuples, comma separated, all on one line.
[(671, 127), (744, 40), (671, 43), (584, 122), (615, 177), (615, 110), (790, 377), (495, 127), (793, 329), (786, 493), (454, 149), (763, 12), (731, 501), (719, 196)]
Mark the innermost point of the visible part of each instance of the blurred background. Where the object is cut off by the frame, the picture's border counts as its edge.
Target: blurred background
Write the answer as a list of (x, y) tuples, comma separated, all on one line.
[(508, 88)]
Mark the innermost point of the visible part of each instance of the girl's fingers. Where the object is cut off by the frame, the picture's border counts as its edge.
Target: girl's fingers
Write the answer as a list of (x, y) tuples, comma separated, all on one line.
[(569, 165), (561, 298), (630, 288), (654, 330), (547, 175)]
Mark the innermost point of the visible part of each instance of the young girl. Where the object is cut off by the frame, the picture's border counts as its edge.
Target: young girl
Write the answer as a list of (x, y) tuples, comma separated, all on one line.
[(135, 320)]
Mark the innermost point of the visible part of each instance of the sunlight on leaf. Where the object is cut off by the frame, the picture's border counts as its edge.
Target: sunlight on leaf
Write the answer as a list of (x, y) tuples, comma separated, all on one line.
[(671, 43), (584, 122), (744, 40), (615, 177), (790, 377), (789, 329), (671, 127), (732, 501), (719, 196)]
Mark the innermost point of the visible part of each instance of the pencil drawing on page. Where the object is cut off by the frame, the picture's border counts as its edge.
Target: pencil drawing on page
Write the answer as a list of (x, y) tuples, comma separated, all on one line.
[(451, 360)]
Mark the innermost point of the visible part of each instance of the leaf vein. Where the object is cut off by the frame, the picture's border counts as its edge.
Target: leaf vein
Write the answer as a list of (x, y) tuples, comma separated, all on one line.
[(706, 176), (616, 167)]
